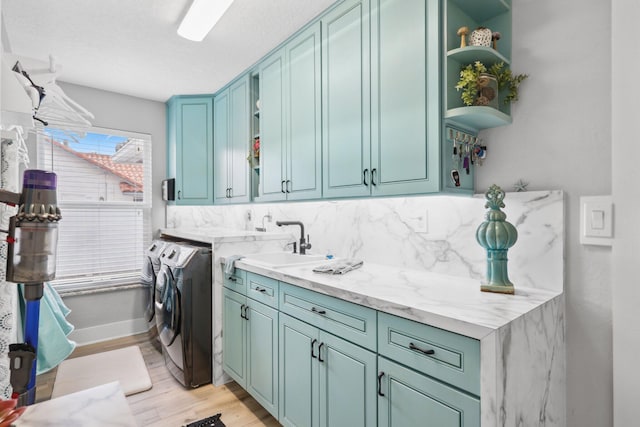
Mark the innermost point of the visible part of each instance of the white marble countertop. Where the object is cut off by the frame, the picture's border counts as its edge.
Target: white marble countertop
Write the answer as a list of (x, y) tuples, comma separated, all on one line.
[(220, 234), (104, 405), (452, 303)]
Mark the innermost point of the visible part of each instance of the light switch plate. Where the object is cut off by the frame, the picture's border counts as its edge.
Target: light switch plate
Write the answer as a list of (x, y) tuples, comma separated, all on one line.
[(596, 220)]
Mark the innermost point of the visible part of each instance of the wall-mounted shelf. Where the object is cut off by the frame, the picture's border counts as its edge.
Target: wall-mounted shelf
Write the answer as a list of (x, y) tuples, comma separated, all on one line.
[(477, 117), (470, 54)]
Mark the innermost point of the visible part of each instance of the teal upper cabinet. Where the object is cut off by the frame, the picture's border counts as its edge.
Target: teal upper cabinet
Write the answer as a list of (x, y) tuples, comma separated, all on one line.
[(346, 139), (381, 103), (231, 142), (290, 145), (405, 96), (190, 148), (492, 14)]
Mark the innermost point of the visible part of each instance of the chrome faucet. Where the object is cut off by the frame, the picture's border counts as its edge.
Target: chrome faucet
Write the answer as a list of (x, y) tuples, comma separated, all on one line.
[(304, 244)]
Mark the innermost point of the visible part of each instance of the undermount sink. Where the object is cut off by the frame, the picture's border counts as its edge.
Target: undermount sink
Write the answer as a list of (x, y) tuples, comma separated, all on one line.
[(283, 259)]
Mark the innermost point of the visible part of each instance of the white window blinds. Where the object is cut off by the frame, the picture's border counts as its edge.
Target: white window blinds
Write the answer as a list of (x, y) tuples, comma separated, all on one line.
[(104, 193)]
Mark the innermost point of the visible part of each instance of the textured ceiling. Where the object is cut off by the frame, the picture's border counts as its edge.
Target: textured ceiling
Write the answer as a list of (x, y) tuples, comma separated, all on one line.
[(131, 47)]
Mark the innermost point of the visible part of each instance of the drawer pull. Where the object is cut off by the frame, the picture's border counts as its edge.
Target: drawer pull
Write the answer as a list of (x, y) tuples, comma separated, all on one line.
[(380, 375), (320, 359), (313, 343), (412, 346), (262, 290), (315, 310), (232, 279)]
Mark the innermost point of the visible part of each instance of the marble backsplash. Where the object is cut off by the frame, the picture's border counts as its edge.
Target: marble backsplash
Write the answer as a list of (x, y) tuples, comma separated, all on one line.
[(433, 233)]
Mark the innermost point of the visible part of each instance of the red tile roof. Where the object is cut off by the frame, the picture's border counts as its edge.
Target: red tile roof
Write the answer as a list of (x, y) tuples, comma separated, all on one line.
[(131, 173)]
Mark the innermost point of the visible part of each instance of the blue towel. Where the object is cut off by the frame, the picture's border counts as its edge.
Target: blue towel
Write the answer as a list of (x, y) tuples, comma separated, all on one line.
[(53, 344), (230, 262)]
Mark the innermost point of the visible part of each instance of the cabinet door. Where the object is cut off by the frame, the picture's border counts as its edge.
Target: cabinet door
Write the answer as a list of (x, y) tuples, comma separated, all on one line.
[(239, 140), (190, 148), (272, 135), (262, 355), (298, 373), (347, 384), (304, 153), (405, 100), (346, 138), (409, 399), (233, 336), (220, 146)]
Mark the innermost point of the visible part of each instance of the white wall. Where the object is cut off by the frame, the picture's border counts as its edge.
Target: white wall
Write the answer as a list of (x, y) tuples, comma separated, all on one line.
[(561, 139), (626, 195)]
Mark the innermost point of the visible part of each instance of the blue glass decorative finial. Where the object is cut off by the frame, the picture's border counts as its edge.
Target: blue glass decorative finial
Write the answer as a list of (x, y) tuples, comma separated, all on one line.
[(496, 235)]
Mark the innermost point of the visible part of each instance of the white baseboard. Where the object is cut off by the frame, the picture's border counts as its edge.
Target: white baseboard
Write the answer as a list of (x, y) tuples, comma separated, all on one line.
[(109, 331)]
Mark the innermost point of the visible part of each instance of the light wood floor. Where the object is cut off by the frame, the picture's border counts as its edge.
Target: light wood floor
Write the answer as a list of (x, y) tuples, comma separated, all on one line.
[(168, 403)]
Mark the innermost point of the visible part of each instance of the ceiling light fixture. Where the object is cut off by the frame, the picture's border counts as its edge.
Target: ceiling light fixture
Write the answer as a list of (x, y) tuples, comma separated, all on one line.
[(201, 17)]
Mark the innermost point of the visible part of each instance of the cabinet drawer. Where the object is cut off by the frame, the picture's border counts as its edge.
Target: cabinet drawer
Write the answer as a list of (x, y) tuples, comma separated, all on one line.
[(447, 356), (236, 281), (347, 320), (263, 289)]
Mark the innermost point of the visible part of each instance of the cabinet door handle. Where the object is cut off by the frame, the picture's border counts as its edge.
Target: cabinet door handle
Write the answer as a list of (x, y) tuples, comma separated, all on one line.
[(179, 194), (364, 177), (242, 311), (373, 176), (282, 185), (380, 393), (246, 313), (412, 346), (261, 290), (320, 359), (231, 192), (227, 194), (232, 279), (287, 186), (313, 343), (315, 310)]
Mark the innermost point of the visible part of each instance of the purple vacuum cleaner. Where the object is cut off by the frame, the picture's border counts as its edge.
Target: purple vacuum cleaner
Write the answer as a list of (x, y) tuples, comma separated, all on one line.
[(31, 260)]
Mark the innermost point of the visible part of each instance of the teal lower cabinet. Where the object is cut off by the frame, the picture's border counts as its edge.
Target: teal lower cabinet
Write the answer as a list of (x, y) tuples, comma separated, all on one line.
[(408, 399), (324, 380), (250, 342), (313, 360)]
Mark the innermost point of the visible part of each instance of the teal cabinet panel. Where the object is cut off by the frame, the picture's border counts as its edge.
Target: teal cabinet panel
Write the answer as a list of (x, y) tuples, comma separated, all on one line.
[(290, 120), (220, 146), (345, 319), (236, 281), (346, 138), (449, 357), (406, 97), (347, 384), (262, 354), (298, 373), (304, 148), (190, 148), (263, 289), (240, 140), (272, 128), (231, 143), (233, 336), (409, 399)]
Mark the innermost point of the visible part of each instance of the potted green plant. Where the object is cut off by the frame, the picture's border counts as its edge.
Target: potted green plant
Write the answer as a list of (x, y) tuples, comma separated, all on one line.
[(474, 77)]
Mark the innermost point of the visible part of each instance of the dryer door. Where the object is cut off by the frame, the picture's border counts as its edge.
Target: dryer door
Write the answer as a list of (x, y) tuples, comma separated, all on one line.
[(167, 306)]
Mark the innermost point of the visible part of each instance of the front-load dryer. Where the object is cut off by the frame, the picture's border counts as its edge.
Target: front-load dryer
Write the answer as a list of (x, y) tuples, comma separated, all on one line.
[(183, 312)]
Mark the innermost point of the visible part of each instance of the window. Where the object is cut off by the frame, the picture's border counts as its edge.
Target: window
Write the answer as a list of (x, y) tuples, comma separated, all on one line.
[(104, 194)]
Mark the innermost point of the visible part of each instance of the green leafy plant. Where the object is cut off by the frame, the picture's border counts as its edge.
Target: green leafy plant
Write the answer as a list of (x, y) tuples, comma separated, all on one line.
[(469, 75)]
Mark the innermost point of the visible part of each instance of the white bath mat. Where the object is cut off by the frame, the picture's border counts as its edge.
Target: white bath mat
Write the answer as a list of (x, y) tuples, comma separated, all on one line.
[(124, 365)]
